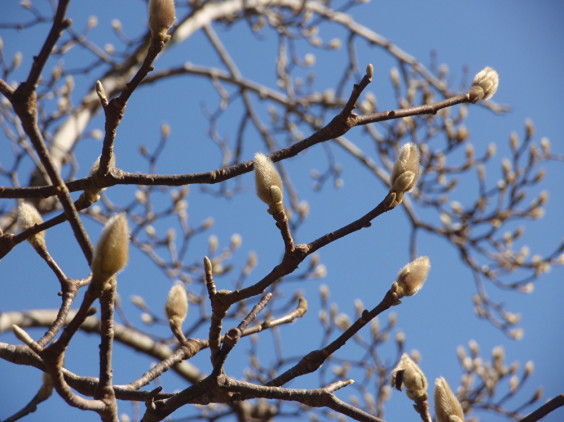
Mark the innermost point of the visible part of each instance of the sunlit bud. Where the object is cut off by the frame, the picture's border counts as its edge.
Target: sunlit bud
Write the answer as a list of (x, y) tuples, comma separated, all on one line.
[(343, 321), (161, 16), (406, 169), (407, 373), (208, 222), (213, 243), (529, 128), (516, 334), (17, 60), (116, 24), (320, 271), (109, 48), (513, 384), (335, 43), (370, 70), (268, 182), (111, 253), (375, 328), (92, 21), (28, 217), (462, 133), (138, 301), (309, 60), (147, 318), (411, 277), (474, 348), (540, 175), (165, 130), (513, 141), (236, 241), (176, 307), (324, 292), (22, 335), (484, 85), (545, 145), (392, 319), (394, 76), (323, 316), (529, 368), (537, 395), (400, 337), (447, 407)]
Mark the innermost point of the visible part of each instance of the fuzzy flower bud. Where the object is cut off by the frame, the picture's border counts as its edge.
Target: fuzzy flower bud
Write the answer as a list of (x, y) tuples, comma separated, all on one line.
[(411, 376), (447, 407), (268, 182), (161, 16), (111, 252), (176, 307), (411, 277), (28, 217), (484, 85), (406, 169)]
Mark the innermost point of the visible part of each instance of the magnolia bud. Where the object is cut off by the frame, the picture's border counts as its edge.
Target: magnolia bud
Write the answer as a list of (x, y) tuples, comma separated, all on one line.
[(176, 307), (406, 169), (484, 85), (161, 15), (411, 277), (411, 376), (447, 407), (267, 179), (28, 217), (111, 251)]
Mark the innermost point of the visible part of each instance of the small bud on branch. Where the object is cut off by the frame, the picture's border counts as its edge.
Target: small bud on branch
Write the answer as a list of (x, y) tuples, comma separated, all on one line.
[(161, 16), (176, 307), (268, 182), (407, 373), (112, 249), (484, 85), (447, 407), (28, 216), (411, 277), (406, 169)]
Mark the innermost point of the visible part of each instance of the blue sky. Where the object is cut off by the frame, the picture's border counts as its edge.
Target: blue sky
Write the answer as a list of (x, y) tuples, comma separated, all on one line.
[(522, 40)]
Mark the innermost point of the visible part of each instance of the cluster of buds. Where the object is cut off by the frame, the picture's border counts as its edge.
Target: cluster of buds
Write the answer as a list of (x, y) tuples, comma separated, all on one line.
[(411, 278), (405, 171), (268, 183), (111, 253)]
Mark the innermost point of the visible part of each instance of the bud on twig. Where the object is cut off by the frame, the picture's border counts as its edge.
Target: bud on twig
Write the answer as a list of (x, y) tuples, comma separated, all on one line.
[(111, 252), (411, 277), (406, 169), (161, 16), (268, 183), (176, 307), (28, 217), (412, 377), (484, 85), (447, 407)]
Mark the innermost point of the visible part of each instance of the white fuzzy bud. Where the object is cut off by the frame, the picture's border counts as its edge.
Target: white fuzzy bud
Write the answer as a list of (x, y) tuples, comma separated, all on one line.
[(484, 85), (406, 169), (447, 407), (161, 15), (411, 277), (267, 179), (112, 250), (407, 373), (28, 216), (176, 307)]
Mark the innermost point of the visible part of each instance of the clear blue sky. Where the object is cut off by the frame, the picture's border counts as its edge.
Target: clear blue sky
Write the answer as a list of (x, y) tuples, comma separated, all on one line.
[(523, 41)]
